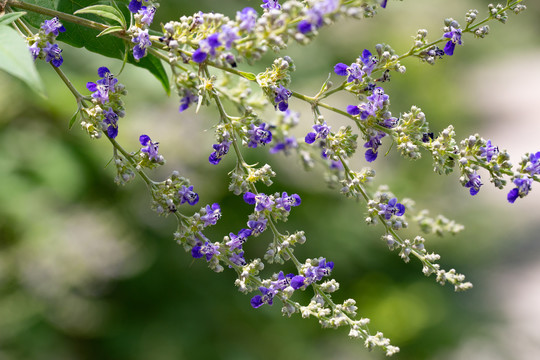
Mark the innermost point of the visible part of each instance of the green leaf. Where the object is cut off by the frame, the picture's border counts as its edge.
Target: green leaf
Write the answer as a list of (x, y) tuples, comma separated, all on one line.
[(110, 30), (105, 11), (8, 18), (248, 75), (80, 36), (16, 60), (73, 119)]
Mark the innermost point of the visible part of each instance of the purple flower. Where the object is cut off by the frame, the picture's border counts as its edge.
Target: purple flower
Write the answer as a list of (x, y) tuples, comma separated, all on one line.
[(373, 145), (228, 35), (111, 120), (147, 15), (369, 61), (282, 281), (282, 97), (238, 259), (187, 194), (208, 250), (285, 201), (267, 297), (104, 86), (383, 3), (53, 26), (261, 201), (143, 41), (53, 54), (455, 38), (378, 97), (354, 72), (259, 135), (285, 146), (206, 46), (188, 99), (524, 185), (316, 273), (135, 6), (257, 226), (488, 151), (236, 241), (220, 150), (323, 269), (391, 208), (34, 50), (297, 282), (150, 148), (315, 15), (534, 168), (212, 215), (321, 132), (271, 4), (474, 183), (247, 19)]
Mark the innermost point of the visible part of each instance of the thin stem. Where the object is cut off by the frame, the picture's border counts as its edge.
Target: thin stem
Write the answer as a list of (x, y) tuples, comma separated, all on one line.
[(63, 16), (69, 85)]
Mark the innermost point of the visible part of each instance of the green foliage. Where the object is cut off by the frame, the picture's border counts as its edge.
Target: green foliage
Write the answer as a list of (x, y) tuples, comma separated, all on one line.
[(109, 46), (16, 59), (7, 19)]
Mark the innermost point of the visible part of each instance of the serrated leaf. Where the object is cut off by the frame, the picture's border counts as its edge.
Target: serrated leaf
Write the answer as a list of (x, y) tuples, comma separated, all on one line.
[(80, 36), (248, 75), (16, 60), (105, 11), (8, 18), (73, 119), (110, 30)]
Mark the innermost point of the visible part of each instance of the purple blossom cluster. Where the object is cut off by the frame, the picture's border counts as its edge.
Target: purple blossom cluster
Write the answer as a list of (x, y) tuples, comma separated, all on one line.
[(220, 150), (43, 45), (375, 103), (271, 4), (311, 275), (454, 36), (150, 148), (314, 18), (259, 135), (524, 182), (356, 71), (474, 183), (105, 92), (282, 96), (265, 202), (321, 132), (209, 46), (392, 208), (144, 15)]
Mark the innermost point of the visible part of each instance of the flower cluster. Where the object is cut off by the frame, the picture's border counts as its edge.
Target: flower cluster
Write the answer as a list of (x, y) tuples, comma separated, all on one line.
[(454, 36), (144, 15), (314, 17), (107, 105), (41, 45), (149, 156), (277, 205), (284, 285), (363, 66), (170, 194)]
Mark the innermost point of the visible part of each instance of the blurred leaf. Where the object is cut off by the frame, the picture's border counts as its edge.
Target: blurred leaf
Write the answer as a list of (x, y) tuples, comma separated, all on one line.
[(7, 19), (104, 11), (16, 60), (80, 36)]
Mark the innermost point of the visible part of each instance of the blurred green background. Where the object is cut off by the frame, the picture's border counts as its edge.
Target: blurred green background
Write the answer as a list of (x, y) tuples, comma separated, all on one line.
[(87, 271)]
